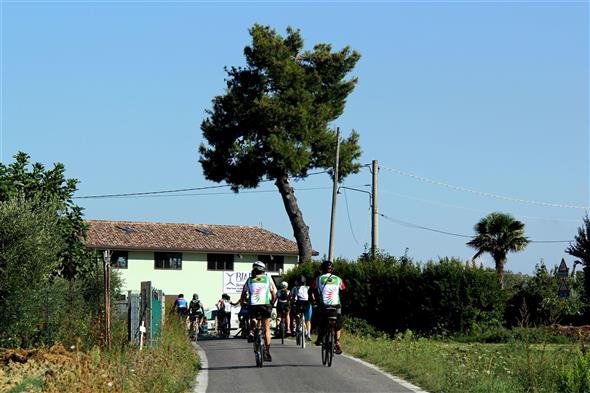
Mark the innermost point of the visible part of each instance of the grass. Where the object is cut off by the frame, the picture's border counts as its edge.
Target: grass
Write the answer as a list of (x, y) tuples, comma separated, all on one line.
[(170, 366), (453, 367)]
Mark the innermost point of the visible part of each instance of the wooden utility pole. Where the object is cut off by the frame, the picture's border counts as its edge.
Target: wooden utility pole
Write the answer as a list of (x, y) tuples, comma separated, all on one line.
[(334, 193), (106, 257), (374, 211)]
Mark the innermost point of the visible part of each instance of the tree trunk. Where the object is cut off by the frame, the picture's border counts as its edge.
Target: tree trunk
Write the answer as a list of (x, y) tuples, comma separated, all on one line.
[(500, 270), (300, 230)]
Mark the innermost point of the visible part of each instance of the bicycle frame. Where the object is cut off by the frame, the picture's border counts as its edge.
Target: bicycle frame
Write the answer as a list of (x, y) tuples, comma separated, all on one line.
[(329, 338), (258, 343)]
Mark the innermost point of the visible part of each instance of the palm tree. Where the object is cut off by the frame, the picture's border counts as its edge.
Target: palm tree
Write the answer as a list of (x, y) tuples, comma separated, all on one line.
[(498, 234), (581, 249)]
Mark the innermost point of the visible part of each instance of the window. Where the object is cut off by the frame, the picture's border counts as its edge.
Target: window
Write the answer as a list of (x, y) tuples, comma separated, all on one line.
[(119, 259), (168, 260), (220, 261), (273, 262)]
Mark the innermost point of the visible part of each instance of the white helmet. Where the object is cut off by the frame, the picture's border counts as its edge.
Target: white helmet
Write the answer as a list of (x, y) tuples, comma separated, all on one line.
[(260, 266), (284, 284)]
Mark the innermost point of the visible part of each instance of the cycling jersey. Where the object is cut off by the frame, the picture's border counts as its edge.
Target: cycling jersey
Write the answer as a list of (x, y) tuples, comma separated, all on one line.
[(301, 293), (259, 288), (329, 287), (283, 295), (181, 303)]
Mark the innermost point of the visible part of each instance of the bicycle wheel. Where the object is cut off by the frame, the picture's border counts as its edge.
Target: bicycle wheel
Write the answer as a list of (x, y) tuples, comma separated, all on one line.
[(258, 349), (283, 328), (331, 343), (325, 349), (301, 332)]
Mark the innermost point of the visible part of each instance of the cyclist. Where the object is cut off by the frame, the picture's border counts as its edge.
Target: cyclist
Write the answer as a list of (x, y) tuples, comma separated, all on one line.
[(243, 318), (224, 311), (283, 307), (181, 306), (300, 296), (326, 288), (262, 292), (195, 312)]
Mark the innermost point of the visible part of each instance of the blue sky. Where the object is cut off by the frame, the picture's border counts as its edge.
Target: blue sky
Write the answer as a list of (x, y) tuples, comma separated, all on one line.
[(487, 96)]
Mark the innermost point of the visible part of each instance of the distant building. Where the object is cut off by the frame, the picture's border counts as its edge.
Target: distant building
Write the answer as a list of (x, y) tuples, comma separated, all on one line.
[(190, 258)]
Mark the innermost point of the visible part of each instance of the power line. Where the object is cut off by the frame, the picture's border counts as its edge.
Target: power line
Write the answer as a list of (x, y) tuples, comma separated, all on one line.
[(483, 193), (133, 194), (437, 203), (349, 220), (412, 225), (152, 193)]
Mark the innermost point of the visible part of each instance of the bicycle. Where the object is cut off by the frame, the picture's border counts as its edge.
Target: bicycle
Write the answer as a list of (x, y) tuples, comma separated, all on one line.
[(194, 326), (300, 330), (259, 343), (223, 327), (329, 338), (282, 327)]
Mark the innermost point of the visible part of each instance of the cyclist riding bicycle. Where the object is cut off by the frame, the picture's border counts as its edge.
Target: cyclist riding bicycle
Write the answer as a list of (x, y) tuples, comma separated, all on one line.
[(300, 296), (283, 307), (181, 306), (262, 292), (326, 289), (224, 311), (195, 312)]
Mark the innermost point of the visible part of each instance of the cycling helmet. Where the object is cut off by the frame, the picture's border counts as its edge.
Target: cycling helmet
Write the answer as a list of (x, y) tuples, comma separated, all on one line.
[(327, 265), (260, 266), (284, 284), (225, 296), (195, 296), (181, 295)]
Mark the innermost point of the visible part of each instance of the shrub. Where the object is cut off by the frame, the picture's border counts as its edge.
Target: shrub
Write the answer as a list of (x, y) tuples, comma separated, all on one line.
[(577, 378)]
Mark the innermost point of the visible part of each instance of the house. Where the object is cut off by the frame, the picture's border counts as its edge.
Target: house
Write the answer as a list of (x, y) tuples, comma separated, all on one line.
[(190, 258)]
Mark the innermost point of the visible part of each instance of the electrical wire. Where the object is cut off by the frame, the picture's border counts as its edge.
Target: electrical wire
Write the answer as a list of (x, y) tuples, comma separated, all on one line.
[(483, 193), (412, 225), (437, 203), (349, 220), (152, 193)]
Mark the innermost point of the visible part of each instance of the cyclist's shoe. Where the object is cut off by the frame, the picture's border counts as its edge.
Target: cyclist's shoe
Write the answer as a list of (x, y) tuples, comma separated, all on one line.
[(267, 357), (337, 349), (318, 342), (307, 337), (250, 338)]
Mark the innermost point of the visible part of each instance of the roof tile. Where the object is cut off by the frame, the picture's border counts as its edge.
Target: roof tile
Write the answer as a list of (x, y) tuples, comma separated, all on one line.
[(186, 237)]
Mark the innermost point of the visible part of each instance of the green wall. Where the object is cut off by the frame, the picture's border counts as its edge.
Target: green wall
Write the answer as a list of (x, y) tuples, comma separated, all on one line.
[(193, 278)]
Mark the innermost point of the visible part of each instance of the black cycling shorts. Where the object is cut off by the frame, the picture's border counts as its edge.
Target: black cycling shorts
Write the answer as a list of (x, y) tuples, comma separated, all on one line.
[(283, 308), (260, 311), (325, 312)]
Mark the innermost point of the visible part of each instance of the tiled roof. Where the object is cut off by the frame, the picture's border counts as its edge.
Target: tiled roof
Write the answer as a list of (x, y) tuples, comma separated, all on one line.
[(130, 235)]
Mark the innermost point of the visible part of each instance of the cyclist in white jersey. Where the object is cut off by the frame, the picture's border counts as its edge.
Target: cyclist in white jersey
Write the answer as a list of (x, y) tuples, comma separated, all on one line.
[(300, 296), (262, 293)]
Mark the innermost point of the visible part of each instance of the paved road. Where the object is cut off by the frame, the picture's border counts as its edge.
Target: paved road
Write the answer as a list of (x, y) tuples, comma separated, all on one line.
[(231, 368)]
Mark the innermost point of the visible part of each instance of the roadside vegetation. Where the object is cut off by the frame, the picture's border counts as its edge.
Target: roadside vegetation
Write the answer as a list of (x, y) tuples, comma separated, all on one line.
[(454, 367), (168, 367)]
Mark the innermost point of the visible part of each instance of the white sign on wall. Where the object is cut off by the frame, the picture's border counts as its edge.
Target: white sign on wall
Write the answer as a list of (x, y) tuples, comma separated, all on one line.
[(233, 282)]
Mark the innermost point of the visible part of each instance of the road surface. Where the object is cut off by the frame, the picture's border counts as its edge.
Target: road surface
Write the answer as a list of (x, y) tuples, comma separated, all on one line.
[(230, 367)]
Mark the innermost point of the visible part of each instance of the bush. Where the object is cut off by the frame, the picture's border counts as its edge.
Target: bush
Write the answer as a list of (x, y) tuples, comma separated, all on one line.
[(576, 379), (361, 327)]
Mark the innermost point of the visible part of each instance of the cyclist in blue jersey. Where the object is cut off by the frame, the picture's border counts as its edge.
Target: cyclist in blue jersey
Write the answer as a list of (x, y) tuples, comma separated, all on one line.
[(181, 306)]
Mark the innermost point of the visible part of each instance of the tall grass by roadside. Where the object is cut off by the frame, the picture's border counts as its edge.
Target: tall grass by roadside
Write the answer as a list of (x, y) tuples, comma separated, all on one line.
[(452, 367), (168, 367)]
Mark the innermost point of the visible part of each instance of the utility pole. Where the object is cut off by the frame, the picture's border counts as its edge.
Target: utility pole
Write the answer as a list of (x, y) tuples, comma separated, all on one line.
[(106, 257), (374, 211), (334, 192)]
